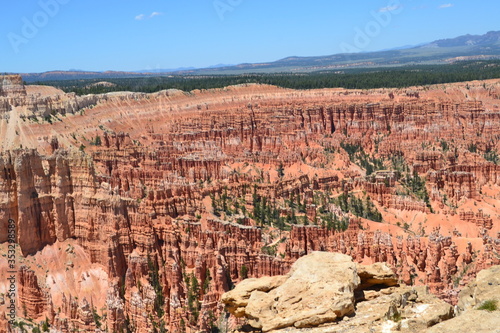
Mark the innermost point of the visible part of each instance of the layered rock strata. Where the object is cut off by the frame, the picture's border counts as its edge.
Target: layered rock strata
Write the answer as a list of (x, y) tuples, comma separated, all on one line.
[(120, 188)]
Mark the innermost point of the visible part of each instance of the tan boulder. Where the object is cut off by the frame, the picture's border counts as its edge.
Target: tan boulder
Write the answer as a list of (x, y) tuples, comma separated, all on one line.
[(237, 299), (426, 311), (472, 321), (319, 289), (376, 274), (396, 309), (316, 296), (486, 287)]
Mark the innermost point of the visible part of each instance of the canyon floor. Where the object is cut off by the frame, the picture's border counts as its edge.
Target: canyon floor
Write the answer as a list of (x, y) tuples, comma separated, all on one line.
[(135, 212)]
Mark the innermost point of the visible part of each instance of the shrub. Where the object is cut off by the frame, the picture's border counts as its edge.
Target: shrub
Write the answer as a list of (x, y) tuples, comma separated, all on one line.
[(492, 156), (97, 141), (489, 305), (444, 146), (472, 148)]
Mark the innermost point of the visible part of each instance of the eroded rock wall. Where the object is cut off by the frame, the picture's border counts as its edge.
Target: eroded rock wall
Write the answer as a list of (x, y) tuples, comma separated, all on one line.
[(136, 204)]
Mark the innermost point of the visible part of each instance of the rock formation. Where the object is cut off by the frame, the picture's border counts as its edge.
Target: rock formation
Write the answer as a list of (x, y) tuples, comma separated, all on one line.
[(130, 203), (318, 294), (478, 306), (12, 85)]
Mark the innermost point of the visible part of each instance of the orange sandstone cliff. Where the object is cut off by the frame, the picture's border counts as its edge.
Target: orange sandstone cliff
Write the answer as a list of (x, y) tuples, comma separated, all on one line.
[(136, 212)]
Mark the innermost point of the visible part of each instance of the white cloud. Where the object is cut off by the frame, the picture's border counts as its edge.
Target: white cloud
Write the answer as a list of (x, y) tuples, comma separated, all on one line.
[(153, 14), (141, 17), (446, 5), (389, 8)]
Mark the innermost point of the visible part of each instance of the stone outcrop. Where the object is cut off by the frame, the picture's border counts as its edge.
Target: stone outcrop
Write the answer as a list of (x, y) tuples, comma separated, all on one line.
[(406, 309), (486, 287), (32, 298), (377, 274), (314, 300), (319, 289), (480, 219), (473, 321), (474, 316), (5, 326), (12, 85), (237, 300)]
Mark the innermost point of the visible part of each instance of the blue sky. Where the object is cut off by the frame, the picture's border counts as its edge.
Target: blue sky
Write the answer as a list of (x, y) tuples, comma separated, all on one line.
[(43, 35)]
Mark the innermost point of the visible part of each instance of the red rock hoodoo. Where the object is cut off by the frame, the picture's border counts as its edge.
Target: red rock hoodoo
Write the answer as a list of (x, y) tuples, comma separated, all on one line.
[(138, 211)]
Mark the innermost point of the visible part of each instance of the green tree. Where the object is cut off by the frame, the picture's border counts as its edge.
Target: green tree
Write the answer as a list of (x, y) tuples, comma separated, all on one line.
[(281, 171), (45, 325), (244, 272), (154, 278)]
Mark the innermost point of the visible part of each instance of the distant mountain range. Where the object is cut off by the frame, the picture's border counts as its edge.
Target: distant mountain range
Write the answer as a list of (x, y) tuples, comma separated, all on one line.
[(173, 70), (467, 47)]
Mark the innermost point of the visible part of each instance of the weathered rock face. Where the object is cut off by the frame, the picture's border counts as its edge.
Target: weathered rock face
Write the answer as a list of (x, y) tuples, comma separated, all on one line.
[(377, 274), (5, 326), (159, 194), (478, 305), (473, 321), (237, 300), (30, 294), (46, 103), (12, 85), (486, 287), (318, 293), (319, 289)]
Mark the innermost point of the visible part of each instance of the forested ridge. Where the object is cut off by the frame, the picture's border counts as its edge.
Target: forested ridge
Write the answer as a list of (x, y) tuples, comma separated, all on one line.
[(361, 78)]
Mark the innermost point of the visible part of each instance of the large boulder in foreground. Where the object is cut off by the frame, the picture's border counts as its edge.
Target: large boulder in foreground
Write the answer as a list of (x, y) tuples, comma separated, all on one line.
[(236, 300), (394, 309), (318, 296), (318, 289)]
